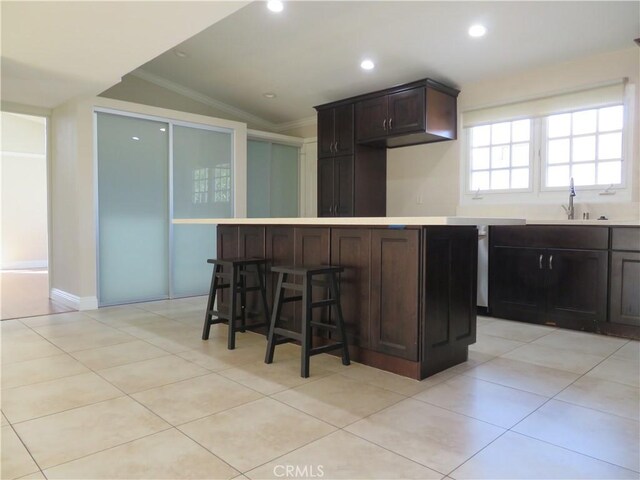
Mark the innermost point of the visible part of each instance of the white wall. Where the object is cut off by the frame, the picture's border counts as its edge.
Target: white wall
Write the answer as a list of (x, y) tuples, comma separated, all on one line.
[(73, 191), (23, 173), (433, 171)]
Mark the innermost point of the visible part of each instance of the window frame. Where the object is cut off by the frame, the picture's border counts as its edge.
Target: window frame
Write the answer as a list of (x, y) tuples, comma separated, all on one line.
[(468, 160), (543, 153), (538, 193)]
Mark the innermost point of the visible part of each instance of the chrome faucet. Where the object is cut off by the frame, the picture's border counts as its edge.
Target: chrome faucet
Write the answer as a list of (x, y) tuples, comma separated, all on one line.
[(570, 209)]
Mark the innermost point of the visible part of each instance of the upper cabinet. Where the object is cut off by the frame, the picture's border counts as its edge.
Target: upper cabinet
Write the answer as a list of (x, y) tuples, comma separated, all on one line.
[(335, 131), (419, 112)]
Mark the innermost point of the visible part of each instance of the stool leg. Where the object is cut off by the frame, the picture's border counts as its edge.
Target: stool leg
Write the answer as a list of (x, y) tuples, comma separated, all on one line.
[(263, 292), (243, 298), (335, 293), (275, 316), (210, 303), (306, 326), (231, 341)]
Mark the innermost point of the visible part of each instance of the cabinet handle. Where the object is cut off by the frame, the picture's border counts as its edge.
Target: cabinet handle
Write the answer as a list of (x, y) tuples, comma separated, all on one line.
[(331, 147), (335, 147), (384, 124), (335, 209), (550, 262), (390, 123), (331, 210), (540, 262)]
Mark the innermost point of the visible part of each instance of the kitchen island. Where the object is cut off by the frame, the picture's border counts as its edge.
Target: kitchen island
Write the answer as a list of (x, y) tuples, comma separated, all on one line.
[(408, 291)]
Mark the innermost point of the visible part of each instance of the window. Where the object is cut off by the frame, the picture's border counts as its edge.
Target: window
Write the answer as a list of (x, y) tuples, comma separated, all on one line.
[(530, 149), (585, 145), (500, 156)]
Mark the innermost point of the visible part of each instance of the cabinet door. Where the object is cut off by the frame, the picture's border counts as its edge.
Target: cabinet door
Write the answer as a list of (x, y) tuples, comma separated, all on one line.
[(516, 283), (279, 250), (251, 244), (311, 246), (407, 111), (343, 186), (625, 285), (371, 118), (343, 133), (394, 292), (326, 135), (325, 187), (449, 296), (576, 284), (351, 248), (227, 246)]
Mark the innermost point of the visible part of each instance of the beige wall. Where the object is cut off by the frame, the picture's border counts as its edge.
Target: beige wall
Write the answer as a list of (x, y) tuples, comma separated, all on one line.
[(23, 173), (432, 172), (73, 188)]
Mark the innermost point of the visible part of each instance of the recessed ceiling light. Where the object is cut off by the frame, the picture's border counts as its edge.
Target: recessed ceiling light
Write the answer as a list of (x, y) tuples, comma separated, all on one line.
[(180, 53), (477, 30), (163, 129), (269, 95), (135, 138), (367, 64), (275, 6)]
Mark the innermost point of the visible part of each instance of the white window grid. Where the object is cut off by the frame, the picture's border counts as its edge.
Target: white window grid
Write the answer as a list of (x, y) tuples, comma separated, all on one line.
[(509, 168), (570, 163)]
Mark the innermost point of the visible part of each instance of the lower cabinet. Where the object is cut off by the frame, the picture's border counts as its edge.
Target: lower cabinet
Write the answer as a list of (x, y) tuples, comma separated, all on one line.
[(585, 278), (567, 288), (407, 295), (395, 266), (624, 283)]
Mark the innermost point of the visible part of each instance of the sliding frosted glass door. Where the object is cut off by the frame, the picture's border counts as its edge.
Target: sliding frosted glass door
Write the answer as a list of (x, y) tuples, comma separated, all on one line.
[(272, 179), (202, 188), (133, 212)]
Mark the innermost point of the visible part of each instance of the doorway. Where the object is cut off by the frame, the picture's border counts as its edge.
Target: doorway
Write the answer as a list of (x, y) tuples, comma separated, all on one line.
[(24, 274)]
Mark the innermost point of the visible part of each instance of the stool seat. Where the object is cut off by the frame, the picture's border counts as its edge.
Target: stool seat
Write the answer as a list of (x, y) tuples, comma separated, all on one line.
[(237, 283), (278, 335), (237, 261), (307, 269)]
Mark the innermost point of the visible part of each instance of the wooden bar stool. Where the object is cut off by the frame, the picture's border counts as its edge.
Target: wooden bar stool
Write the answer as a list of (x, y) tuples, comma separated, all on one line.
[(304, 337), (237, 283)]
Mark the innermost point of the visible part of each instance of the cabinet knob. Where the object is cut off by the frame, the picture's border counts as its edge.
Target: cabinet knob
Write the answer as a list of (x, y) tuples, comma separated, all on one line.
[(384, 124)]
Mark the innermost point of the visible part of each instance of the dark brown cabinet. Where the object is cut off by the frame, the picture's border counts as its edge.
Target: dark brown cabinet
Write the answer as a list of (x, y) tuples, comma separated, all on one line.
[(531, 281), (336, 186), (351, 248), (420, 112), (448, 296), (335, 131), (394, 114), (624, 281), (354, 133), (394, 292), (407, 294)]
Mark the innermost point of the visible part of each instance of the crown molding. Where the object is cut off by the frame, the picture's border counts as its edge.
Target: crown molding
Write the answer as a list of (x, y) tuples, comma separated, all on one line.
[(212, 102), (199, 97)]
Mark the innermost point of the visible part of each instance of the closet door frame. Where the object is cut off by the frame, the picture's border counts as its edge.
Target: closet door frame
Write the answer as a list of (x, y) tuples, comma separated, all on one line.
[(170, 233)]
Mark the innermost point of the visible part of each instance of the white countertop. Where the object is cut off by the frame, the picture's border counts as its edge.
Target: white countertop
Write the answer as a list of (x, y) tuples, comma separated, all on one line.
[(372, 221), (604, 223)]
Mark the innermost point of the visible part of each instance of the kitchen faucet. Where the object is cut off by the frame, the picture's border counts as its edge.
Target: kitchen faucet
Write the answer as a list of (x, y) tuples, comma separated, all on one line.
[(570, 209)]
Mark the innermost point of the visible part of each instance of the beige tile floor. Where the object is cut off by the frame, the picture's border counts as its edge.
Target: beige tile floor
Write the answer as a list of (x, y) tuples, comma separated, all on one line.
[(132, 392)]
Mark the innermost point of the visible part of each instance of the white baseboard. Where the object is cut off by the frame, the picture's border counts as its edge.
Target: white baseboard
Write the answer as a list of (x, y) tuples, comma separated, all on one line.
[(73, 301), (24, 265)]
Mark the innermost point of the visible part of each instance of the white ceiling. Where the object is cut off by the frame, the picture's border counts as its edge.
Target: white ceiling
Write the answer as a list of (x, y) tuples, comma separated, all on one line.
[(310, 54), (55, 51)]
